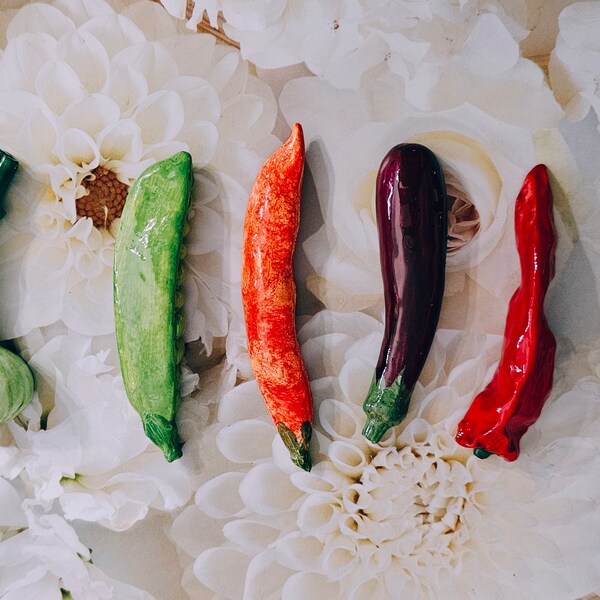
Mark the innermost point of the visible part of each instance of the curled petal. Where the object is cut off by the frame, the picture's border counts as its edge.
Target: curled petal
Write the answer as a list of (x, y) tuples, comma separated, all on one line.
[(348, 458), (339, 558), (319, 514), (339, 420), (78, 150)]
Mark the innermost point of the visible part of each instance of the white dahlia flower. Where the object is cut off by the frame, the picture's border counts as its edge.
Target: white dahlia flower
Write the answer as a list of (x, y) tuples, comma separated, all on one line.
[(89, 97), (434, 54), (415, 516)]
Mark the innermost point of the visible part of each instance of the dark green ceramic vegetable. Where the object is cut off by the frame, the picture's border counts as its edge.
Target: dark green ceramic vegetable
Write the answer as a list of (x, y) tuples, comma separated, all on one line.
[(148, 297)]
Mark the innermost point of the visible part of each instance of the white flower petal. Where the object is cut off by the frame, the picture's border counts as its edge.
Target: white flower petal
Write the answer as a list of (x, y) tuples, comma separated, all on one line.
[(303, 585), (222, 571), (250, 535), (12, 513), (201, 46), (121, 141), (246, 441), (192, 540), (319, 514), (242, 402), (58, 85), (40, 18), (202, 140), (210, 496), (23, 58), (78, 150), (127, 86), (348, 458), (337, 419), (265, 576), (160, 117), (150, 58), (91, 114), (200, 100), (88, 58), (152, 20), (114, 31), (268, 491)]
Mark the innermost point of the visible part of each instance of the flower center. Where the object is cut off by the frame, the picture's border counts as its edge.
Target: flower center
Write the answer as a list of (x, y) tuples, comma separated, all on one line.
[(105, 198), (407, 501), (463, 218)]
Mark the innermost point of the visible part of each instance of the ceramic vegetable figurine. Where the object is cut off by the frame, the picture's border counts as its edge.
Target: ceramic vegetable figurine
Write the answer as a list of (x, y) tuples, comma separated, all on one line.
[(16, 385), (8, 168), (412, 223), (269, 295), (511, 403), (16, 380), (148, 299)]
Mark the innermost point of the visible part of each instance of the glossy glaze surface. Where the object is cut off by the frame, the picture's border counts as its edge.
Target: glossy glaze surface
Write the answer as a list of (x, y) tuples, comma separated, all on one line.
[(269, 295), (511, 403), (8, 168), (148, 301), (412, 225)]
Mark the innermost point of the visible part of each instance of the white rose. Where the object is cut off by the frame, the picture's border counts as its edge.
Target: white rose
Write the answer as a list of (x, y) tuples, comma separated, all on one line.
[(485, 161)]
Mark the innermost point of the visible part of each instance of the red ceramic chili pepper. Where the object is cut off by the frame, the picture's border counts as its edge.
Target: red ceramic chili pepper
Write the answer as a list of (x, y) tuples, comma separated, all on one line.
[(269, 295), (512, 402)]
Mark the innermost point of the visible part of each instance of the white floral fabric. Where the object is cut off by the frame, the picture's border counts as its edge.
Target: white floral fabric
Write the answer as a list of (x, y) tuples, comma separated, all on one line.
[(92, 92)]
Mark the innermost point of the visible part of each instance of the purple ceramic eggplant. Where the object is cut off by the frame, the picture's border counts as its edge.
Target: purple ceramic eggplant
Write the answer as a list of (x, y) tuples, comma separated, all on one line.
[(412, 223)]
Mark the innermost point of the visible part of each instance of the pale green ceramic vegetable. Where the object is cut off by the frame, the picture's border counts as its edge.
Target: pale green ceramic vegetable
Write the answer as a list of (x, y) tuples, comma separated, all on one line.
[(148, 299), (16, 381), (16, 385)]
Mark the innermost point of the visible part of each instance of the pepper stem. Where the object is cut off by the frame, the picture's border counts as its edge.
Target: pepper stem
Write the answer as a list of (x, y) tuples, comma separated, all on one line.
[(482, 453), (164, 434), (299, 449), (385, 406)]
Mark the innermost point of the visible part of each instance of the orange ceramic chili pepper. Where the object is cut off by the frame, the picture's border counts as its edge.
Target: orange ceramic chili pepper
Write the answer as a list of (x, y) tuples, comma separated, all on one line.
[(513, 400), (269, 295)]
